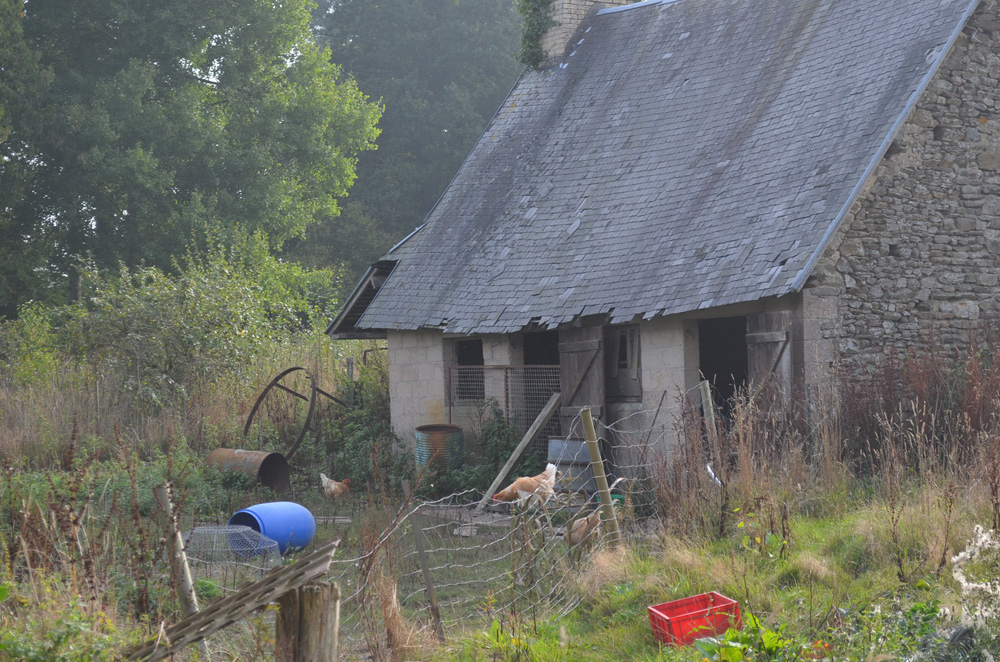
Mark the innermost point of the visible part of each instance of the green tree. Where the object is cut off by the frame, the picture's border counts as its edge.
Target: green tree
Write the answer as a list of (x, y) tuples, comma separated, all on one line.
[(21, 77), (164, 119), (442, 68)]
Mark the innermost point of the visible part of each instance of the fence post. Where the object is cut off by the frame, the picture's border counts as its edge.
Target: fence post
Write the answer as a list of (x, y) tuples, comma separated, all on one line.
[(308, 624), (708, 407), (425, 570), (600, 477), (179, 570)]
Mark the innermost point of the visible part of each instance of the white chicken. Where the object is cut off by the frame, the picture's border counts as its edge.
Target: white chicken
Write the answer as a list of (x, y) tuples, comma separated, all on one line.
[(333, 488), (525, 488)]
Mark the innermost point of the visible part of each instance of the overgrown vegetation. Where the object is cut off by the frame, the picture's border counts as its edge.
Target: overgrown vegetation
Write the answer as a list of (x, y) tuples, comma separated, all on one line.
[(537, 15), (491, 443), (835, 534)]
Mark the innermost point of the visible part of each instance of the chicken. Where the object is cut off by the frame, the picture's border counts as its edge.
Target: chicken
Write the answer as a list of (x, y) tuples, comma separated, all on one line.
[(540, 487), (584, 528), (333, 488)]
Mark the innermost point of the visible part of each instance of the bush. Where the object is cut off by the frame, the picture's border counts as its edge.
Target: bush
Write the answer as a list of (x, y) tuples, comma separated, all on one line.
[(360, 444), (166, 335), (28, 346), (496, 439)]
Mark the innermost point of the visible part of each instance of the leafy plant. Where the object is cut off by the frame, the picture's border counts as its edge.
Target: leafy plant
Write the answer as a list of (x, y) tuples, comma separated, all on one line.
[(360, 444), (495, 441), (754, 642), (537, 20), (165, 335)]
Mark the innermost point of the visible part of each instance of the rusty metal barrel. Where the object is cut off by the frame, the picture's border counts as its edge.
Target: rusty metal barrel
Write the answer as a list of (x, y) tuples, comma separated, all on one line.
[(270, 469), (439, 445)]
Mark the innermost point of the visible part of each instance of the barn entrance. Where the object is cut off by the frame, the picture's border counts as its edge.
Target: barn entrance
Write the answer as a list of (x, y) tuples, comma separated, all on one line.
[(722, 357), (581, 368)]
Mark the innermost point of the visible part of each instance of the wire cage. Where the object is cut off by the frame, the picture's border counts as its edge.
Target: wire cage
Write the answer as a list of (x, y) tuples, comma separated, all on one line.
[(519, 392), (230, 556)]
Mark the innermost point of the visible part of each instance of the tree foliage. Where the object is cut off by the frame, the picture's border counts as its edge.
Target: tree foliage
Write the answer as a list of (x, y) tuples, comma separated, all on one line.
[(162, 119), (164, 335), (21, 77), (442, 68)]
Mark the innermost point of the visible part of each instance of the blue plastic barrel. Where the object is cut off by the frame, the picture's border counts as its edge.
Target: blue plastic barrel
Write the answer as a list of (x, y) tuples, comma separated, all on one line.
[(289, 524)]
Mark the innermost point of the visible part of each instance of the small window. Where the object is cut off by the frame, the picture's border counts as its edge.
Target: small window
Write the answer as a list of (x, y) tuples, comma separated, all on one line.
[(469, 352), (623, 353)]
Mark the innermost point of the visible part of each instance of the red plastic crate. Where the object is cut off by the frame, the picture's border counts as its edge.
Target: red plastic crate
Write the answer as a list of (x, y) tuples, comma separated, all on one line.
[(680, 622)]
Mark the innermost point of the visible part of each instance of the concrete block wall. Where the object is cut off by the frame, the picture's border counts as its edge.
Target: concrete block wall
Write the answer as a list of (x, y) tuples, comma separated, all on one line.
[(669, 362), (920, 252), (568, 15), (417, 382)]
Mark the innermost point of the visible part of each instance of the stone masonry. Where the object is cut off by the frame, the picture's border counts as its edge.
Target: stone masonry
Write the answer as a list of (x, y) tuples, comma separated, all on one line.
[(919, 255), (568, 15)]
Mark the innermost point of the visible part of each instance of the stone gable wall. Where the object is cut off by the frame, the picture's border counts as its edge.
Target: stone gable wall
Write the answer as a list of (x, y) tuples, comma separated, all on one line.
[(568, 15), (920, 252)]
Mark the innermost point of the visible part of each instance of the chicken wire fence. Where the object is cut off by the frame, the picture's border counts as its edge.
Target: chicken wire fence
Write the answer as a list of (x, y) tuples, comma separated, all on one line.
[(510, 563), (519, 393), (229, 556)]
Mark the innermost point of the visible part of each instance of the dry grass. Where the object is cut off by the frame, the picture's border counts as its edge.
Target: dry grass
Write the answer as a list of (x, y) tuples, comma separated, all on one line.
[(406, 641), (812, 567), (604, 568), (36, 419)]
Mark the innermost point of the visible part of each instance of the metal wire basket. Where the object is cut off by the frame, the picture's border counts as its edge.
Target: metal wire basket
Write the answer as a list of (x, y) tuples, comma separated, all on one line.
[(228, 557)]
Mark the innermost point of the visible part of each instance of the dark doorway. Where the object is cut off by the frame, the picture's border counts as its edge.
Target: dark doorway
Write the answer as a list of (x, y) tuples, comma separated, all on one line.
[(541, 348), (722, 357)]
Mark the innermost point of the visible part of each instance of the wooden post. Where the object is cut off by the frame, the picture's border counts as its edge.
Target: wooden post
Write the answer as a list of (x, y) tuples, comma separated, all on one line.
[(425, 570), (708, 407), (545, 415), (308, 624), (601, 478), (180, 571)]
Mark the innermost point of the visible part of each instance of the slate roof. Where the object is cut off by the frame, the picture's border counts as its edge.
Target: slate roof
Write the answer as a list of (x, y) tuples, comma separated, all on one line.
[(685, 155)]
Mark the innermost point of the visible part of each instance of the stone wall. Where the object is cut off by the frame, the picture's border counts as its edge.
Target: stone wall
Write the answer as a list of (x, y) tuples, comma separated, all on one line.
[(920, 252), (568, 15)]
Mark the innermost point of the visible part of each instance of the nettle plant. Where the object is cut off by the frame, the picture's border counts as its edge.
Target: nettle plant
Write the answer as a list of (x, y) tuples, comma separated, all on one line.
[(977, 571)]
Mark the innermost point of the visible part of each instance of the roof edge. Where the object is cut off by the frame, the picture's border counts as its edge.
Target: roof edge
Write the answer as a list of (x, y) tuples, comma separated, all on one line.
[(343, 328), (799, 282)]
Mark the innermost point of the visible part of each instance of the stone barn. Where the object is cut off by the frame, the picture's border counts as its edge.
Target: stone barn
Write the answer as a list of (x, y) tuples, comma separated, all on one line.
[(730, 188)]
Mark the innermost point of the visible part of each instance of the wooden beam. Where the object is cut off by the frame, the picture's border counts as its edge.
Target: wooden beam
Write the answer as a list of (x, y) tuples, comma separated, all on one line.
[(540, 420)]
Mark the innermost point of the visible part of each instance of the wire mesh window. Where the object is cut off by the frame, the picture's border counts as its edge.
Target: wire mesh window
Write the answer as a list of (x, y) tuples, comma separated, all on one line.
[(520, 392)]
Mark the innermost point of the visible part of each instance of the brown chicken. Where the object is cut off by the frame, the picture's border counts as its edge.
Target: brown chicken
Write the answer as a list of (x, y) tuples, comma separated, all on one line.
[(333, 488), (584, 528), (540, 487)]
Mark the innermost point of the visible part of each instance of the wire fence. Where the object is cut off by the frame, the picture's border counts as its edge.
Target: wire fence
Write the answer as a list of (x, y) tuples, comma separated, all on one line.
[(510, 562), (519, 394)]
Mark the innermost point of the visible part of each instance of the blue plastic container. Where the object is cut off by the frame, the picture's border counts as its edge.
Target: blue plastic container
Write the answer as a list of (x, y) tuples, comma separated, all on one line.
[(289, 524)]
